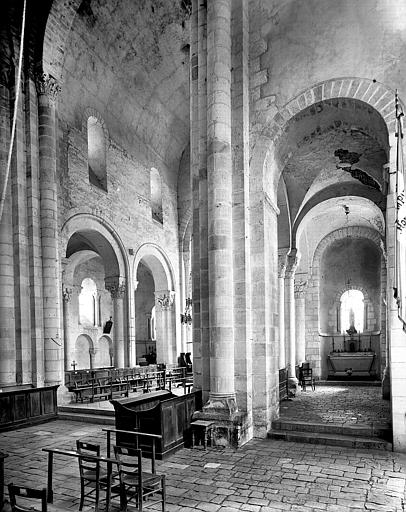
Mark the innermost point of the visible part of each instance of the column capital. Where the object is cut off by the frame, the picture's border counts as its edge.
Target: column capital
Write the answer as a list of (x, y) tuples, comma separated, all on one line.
[(47, 85), (282, 265), (67, 293), (292, 262), (117, 289), (164, 299), (300, 288)]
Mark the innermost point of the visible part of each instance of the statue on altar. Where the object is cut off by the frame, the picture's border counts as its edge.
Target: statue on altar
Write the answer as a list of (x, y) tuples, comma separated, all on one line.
[(352, 330)]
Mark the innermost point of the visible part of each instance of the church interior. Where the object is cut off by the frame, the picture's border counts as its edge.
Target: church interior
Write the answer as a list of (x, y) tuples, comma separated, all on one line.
[(209, 186)]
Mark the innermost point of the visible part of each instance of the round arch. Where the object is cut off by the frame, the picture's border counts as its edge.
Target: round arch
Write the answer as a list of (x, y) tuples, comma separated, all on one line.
[(313, 327), (338, 234), (158, 263), (74, 260), (104, 239), (267, 134), (82, 356), (103, 352), (92, 112)]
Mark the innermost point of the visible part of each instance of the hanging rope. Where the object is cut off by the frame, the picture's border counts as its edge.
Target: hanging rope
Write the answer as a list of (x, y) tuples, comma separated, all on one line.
[(13, 129)]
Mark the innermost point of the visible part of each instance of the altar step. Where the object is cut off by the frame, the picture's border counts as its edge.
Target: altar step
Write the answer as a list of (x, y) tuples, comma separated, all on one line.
[(86, 414), (333, 435), (344, 381)]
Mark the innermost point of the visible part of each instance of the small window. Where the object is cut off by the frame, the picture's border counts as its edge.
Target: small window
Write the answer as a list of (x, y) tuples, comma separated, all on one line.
[(352, 312), (156, 196), (88, 302), (152, 326), (96, 148)]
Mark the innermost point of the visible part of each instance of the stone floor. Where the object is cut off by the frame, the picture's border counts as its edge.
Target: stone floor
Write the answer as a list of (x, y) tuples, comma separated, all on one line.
[(342, 405), (264, 475)]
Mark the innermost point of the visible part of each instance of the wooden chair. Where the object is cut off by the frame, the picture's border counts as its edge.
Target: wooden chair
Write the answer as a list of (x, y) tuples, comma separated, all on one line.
[(92, 477), (137, 484), (27, 495), (306, 377)]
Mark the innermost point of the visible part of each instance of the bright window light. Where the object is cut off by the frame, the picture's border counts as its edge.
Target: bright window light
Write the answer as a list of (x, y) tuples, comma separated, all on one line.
[(352, 311)]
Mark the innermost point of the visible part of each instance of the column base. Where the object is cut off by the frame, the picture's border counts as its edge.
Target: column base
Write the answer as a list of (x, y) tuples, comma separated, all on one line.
[(293, 385), (230, 425), (64, 396)]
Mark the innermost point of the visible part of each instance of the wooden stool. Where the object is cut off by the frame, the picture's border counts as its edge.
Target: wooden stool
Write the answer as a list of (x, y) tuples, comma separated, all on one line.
[(202, 429)]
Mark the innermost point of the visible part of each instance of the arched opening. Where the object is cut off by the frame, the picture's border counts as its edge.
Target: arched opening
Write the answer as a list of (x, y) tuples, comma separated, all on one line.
[(102, 355), (352, 312), (83, 347), (155, 308), (88, 302), (93, 263), (145, 315), (96, 153)]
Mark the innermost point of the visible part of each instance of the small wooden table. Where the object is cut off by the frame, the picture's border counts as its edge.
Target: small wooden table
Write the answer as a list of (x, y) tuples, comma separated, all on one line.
[(202, 429)]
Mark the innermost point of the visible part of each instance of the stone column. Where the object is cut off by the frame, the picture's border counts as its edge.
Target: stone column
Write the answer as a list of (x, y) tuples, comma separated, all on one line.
[(7, 319), (219, 180), (290, 330), (186, 328), (92, 353), (165, 327), (281, 286), (117, 288), (69, 347), (396, 334), (300, 287), (132, 341), (47, 89), (194, 180)]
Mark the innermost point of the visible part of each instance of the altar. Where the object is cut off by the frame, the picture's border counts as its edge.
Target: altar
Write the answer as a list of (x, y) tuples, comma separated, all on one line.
[(351, 364)]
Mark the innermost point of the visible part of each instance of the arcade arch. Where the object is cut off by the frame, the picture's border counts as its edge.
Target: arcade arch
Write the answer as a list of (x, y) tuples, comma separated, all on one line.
[(155, 293), (319, 149), (94, 255)]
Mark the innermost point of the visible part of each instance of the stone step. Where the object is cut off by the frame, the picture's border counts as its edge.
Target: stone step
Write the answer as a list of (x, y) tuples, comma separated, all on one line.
[(344, 382), (358, 442), (371, 431), (85, 415), (85, 410)]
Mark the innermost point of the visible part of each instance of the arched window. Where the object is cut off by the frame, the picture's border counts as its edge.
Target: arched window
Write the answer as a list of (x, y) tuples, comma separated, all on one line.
[(156, 195), (96, 153), (352, 311), (88, 302)]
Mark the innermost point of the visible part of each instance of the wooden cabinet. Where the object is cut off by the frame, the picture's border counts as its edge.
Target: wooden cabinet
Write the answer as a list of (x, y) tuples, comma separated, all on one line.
[(23, 407), (161, 413)]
